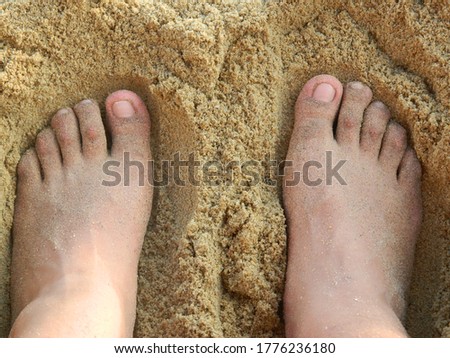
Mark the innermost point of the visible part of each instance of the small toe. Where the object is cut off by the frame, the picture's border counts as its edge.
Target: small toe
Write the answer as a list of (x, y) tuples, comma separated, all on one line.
[(28, 169), (316, 108), (409, 179), (410, 171), (92, 130), (129, 124), (374, 125), (65, 126), (357, 97), (47, 149), (393, 147)]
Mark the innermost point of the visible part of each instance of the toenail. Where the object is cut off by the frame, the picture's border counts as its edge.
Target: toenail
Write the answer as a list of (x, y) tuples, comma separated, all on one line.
[(379, 104), (62, 112), (123, 109), (86, 101), (356, 85), (324, 92)]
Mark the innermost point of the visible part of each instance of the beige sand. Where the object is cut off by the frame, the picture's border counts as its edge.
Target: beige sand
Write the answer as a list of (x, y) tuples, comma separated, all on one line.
[(221, 80)]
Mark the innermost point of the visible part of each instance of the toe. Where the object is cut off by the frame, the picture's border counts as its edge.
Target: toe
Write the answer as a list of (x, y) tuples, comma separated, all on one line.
[(48, 153), (65, 126), (357, 97), (28, 169), (393, 147), (409, 178), (410, 170), (316, 107), (129, 124), (374, 125), (92, 130)]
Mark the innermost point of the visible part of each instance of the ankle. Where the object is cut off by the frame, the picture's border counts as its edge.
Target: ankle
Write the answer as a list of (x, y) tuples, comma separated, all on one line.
[(67, 312), (369, 321)]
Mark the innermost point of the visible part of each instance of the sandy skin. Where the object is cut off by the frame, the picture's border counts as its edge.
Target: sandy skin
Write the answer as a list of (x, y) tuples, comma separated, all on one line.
[(77, 242), (350, 246)]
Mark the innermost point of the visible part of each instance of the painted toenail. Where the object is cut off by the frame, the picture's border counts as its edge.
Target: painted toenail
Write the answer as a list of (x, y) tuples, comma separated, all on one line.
[(356, 85), (123, 109), (324, 92)]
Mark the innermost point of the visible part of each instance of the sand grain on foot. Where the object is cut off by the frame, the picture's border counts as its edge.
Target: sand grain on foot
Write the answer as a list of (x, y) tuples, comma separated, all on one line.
[(221, 81)]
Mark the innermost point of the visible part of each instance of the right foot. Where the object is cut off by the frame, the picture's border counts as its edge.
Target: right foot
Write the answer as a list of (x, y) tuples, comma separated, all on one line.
[(76, 241), (351, 246)]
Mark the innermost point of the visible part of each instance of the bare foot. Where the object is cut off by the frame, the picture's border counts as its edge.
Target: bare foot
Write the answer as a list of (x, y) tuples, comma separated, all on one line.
[(351, 243), (76, 241)]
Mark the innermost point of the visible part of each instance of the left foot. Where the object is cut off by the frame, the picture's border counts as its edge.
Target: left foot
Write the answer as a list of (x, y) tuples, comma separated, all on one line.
[(76, 242)]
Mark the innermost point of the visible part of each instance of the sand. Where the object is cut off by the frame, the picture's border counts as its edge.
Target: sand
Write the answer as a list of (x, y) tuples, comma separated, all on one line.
[(221, 79)]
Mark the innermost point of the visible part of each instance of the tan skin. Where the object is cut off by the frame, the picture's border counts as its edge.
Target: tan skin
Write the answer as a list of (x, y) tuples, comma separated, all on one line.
[(351, 247), (76, 243), (82, 281)]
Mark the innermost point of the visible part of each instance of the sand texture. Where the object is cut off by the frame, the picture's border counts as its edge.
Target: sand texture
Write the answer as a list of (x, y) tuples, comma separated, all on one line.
[(220, 79)]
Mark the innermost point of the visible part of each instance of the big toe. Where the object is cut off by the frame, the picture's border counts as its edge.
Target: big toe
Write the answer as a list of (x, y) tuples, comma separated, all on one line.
[(316, 108), (129, 124)]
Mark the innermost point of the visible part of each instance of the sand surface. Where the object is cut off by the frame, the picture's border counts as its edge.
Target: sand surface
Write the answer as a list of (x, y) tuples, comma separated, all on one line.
[(221, 79)]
